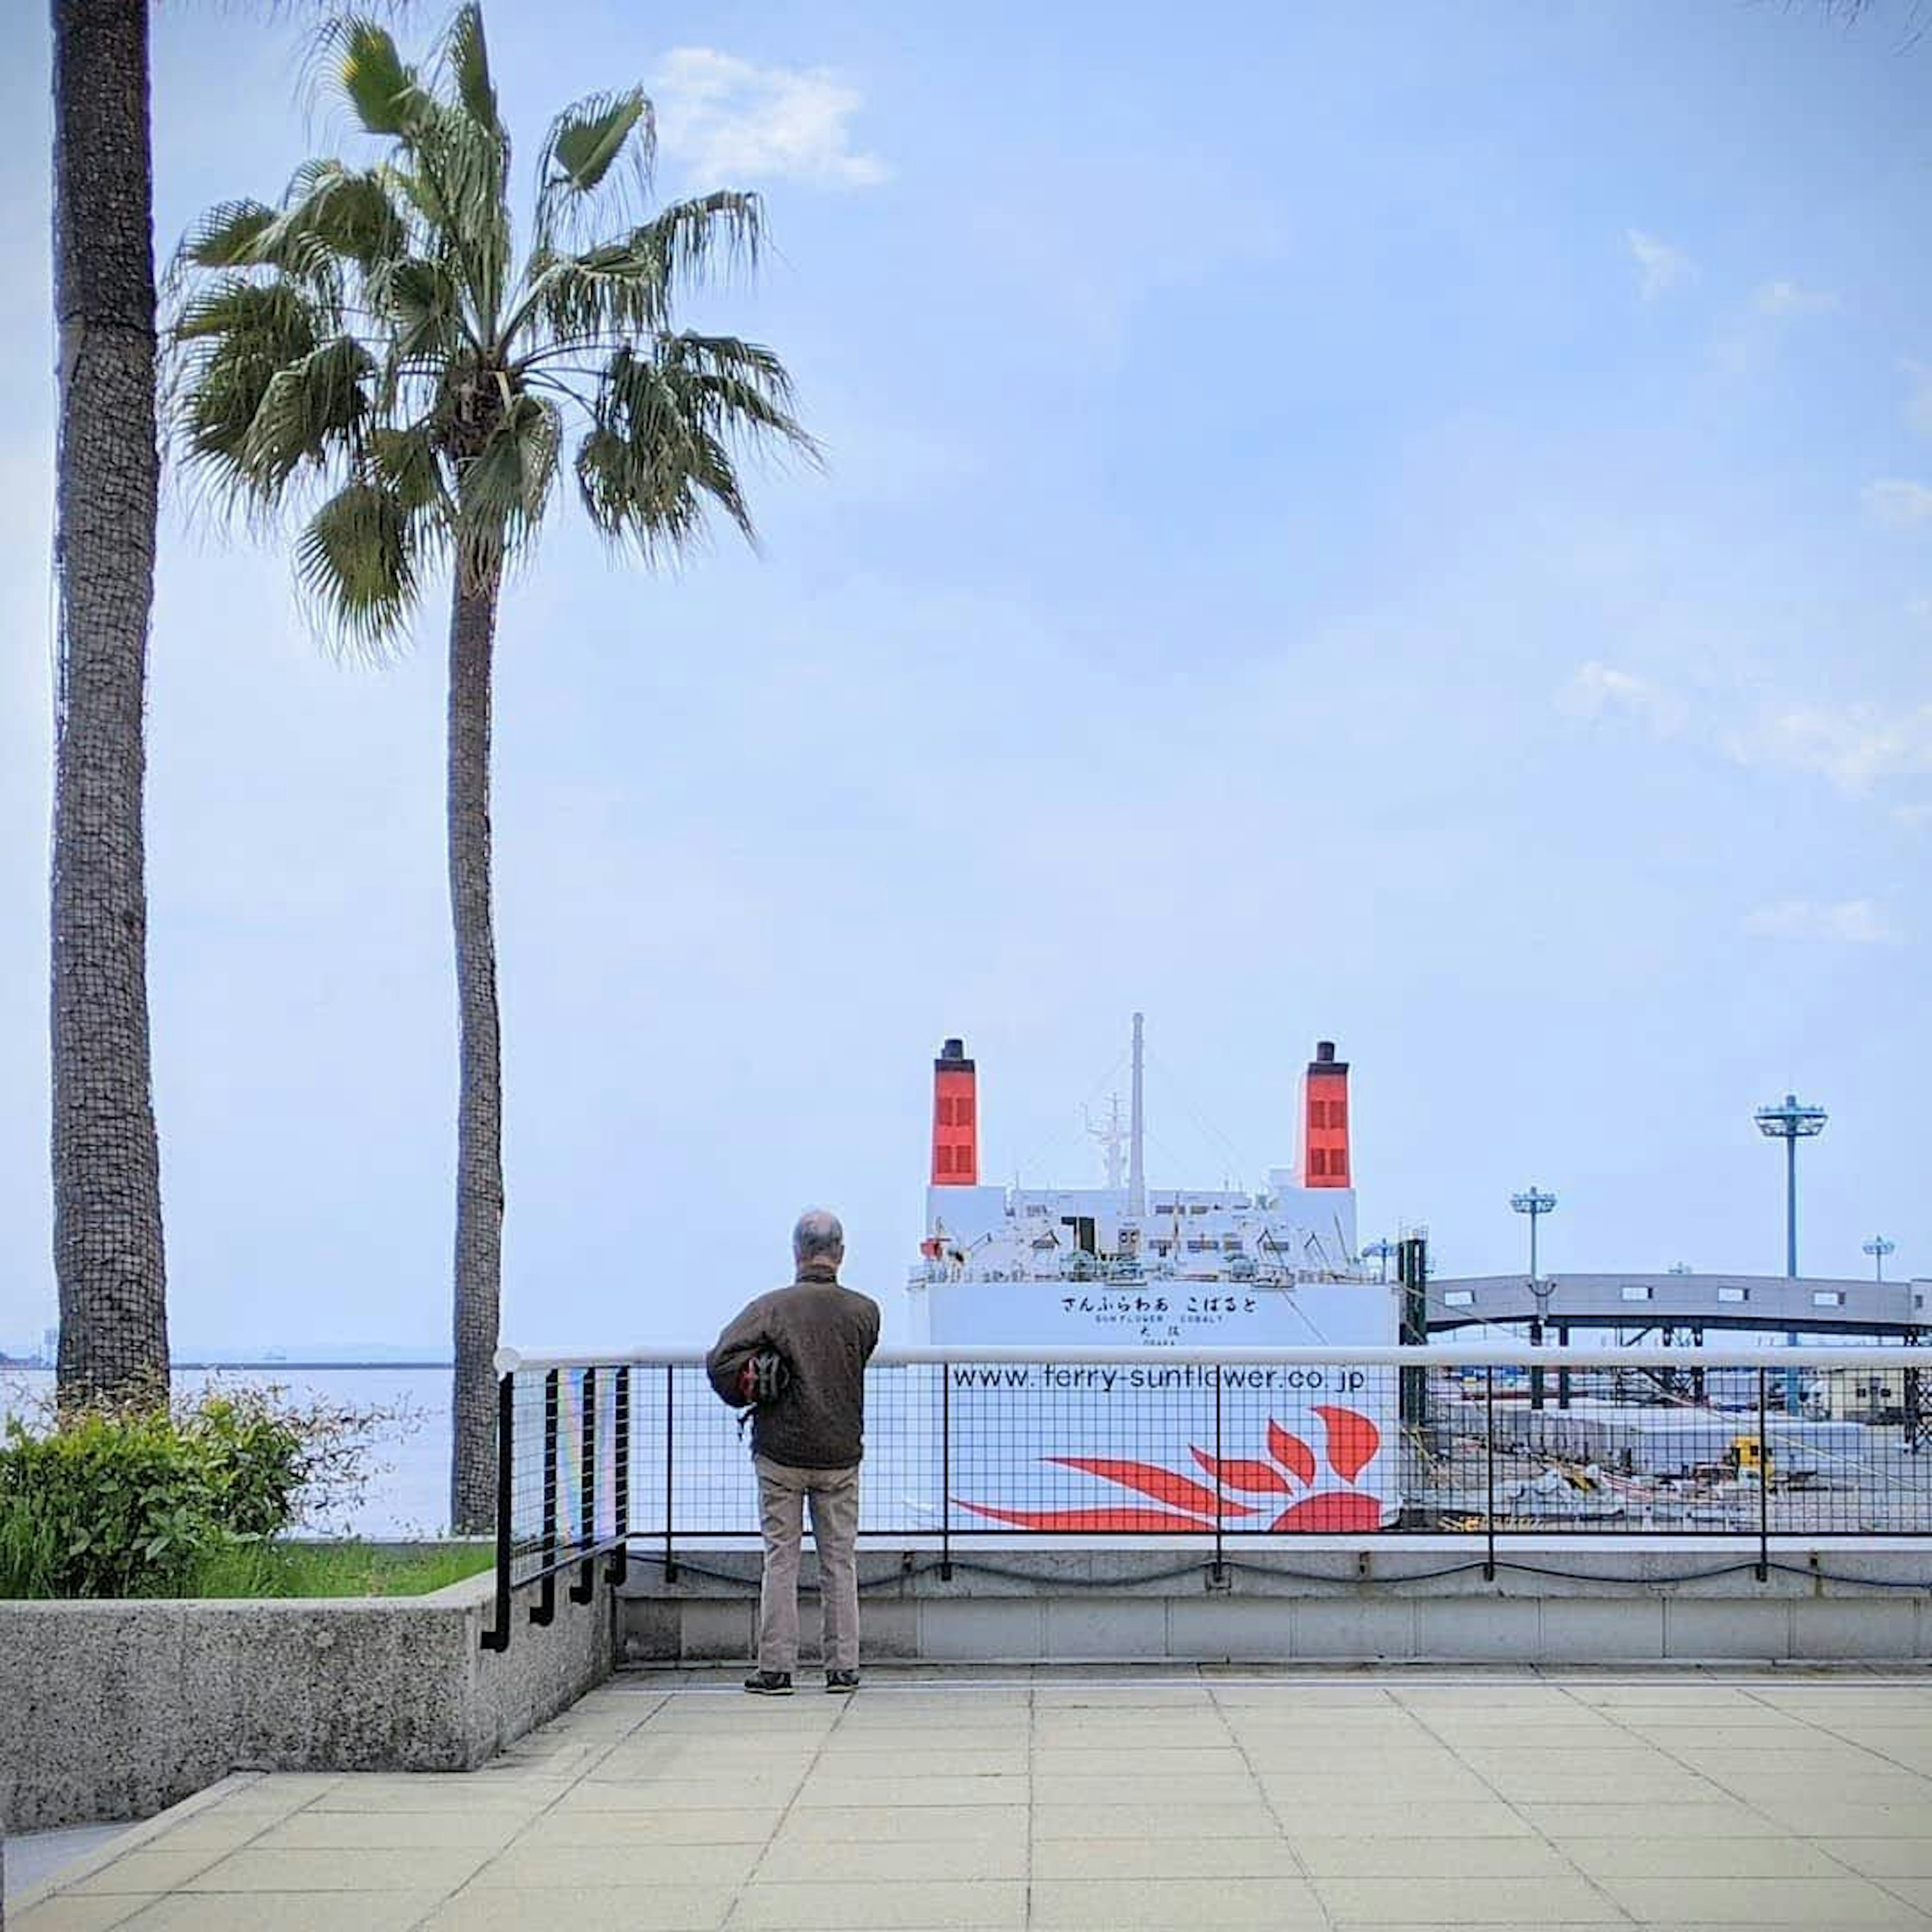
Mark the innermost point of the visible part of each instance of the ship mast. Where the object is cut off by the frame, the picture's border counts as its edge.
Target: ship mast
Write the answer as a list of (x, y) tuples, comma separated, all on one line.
[(1113, 1138), (1136, 1166)]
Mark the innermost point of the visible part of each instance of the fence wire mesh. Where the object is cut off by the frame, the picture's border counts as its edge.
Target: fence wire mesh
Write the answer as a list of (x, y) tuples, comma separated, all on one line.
[(1018, 1449)]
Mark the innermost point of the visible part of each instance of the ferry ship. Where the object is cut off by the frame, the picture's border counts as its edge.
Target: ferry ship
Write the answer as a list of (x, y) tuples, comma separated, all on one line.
[(1121, 1444), (1153, 1264)]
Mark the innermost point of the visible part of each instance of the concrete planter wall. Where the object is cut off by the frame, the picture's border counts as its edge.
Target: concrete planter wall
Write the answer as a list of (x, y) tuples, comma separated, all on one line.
[(114, 1711), (1631, 1603)]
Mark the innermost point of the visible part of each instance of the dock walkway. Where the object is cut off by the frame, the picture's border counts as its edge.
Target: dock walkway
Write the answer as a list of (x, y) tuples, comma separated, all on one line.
[(1194, 1798)]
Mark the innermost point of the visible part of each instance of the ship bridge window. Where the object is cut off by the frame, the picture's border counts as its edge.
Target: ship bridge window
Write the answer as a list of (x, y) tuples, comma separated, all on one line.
[(1458, 1297), (1636, 1292), (1734, 1295), (1828, 1297)]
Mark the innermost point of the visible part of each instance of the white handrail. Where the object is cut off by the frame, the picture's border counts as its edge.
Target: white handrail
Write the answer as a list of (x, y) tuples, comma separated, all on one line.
[(1450, 1355)]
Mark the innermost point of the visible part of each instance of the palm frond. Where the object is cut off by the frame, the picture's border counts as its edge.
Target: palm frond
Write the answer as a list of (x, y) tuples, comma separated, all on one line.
[(629, 287), (580, 157), (659, 457), (225, 237), (384, 92), (224, 350), (357, 562), (468, 57), (308, 414), (349, 211), (423, 307), (503, 494), (405, 463)]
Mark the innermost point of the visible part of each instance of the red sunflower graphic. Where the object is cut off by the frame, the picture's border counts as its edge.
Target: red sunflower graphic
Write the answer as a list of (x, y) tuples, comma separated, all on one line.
[(1176, 1501)]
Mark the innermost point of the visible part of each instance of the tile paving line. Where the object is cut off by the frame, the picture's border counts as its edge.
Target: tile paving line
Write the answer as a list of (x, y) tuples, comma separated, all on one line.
[(570, 1784), (746, 1879), (1754, 1695), (1859, 1743), (1268, 1804), (1624, 1916), (1386, 1678)]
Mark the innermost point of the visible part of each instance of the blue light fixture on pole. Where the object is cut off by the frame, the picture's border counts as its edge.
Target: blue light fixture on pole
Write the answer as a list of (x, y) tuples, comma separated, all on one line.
[(1878, 1247), (1791, 1122), (1380, 1251), (1535, 1203)]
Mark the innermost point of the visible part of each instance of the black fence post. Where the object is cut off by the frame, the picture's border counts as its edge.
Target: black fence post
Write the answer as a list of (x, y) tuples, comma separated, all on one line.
[(544, 1610), (497, 1636), (1489, 1511), (620, 1478), (585, 1587), (946, 1472), (670, 1444), (1220, 1565), (1763, 1486)]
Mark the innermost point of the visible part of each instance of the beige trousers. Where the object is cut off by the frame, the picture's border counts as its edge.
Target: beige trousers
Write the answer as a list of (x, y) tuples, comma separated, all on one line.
[(782, 1491)]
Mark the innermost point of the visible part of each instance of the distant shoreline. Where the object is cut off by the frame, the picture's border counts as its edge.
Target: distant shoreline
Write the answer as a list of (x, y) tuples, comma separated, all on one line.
[(47, 1368)]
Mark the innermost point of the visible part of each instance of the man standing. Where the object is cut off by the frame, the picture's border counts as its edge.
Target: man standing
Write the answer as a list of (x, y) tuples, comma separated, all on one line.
[(807, 1432)]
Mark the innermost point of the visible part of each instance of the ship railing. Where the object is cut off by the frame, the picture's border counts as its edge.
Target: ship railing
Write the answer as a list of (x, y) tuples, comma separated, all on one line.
[(601, 1456)]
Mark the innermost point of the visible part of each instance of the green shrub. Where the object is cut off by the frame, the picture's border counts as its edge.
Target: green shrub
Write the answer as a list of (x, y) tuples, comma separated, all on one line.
[(142, 1501), (110, 1504), (255, 1457)]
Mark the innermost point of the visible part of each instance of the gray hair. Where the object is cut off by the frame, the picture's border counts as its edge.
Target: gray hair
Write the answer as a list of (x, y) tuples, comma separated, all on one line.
[(818, 1236)]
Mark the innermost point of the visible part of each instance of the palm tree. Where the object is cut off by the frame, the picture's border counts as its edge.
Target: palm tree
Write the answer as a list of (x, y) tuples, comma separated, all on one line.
[(109, 1259), (372, 360)]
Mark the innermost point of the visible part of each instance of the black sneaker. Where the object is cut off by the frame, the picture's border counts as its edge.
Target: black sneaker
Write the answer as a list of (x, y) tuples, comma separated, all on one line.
[(769, 1684), (842, 1680)]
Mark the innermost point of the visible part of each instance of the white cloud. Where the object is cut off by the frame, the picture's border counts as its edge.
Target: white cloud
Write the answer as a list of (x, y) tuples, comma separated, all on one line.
[(1897, 503), (724, 118), (1597, 690), (1784, 298), (1913, 818), (1849, 923), (1854, 746), (1659, 264)]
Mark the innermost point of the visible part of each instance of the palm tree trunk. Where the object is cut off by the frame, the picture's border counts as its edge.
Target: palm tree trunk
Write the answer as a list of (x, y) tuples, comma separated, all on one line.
[(479, 1159), (109, 1259)]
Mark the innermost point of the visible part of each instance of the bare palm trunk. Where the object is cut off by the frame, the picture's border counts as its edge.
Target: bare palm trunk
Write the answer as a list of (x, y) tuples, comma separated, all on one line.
[(108, 1255), (479, 1159)]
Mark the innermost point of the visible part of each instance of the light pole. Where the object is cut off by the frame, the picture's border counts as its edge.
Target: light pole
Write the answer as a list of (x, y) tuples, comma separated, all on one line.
[(1536, 1203), (1791, 1122), (1878, 1247), (1381, 1251)]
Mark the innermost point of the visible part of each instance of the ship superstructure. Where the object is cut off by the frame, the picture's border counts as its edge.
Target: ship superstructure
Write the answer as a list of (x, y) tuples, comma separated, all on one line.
[(1156, 1264)]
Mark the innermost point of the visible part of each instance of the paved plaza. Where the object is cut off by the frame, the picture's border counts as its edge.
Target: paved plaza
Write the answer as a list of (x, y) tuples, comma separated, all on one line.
[(1191, 1798)]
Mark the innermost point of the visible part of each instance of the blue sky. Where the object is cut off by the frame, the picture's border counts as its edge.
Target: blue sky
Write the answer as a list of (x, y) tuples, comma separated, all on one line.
[(1407, 525)]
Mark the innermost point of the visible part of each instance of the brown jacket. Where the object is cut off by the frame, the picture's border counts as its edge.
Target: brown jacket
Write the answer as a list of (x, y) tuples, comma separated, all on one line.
[(825, 1334)]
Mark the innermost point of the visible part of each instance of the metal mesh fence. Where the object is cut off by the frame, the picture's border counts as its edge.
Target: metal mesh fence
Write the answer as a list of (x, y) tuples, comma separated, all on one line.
[(1171, 1443)]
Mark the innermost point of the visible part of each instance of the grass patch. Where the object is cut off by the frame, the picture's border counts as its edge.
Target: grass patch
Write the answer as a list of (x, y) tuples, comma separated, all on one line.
[(336, 1569)]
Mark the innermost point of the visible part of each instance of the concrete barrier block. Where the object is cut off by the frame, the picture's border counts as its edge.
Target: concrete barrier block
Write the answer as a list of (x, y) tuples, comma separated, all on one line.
[(1489, 1629), (1694, 1629), (1864, 1629), (1123, 1628), (1366, 1630), (1582, 1630), (992, 1630), (720, 1633), (1244, 1629)]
